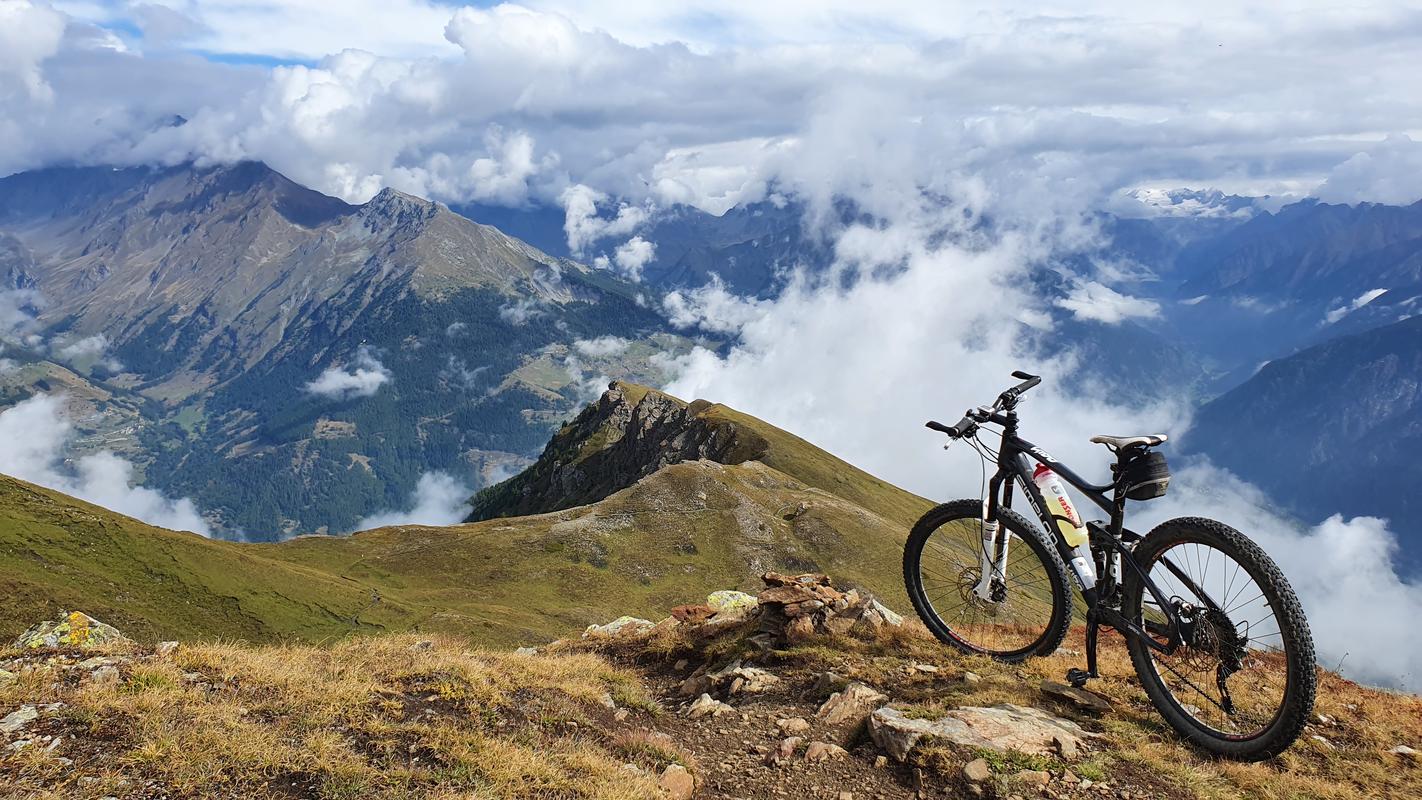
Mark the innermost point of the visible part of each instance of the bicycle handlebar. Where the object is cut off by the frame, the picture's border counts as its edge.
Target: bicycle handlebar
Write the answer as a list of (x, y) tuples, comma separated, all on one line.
[(969, 423)]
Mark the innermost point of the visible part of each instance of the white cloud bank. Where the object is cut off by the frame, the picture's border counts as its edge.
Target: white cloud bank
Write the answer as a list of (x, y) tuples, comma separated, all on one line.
[(37, 435), (363, 377), (439, 499), (507, 103)]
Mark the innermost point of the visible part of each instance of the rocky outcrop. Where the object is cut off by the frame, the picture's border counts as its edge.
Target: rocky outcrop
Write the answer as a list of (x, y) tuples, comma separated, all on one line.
[(1001, 728), (628, 434)]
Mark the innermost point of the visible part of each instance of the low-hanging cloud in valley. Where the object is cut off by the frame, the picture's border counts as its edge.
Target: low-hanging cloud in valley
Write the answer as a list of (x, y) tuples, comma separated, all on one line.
[(362, 377), (1089, 300), (438, 499), (919, 320), (38, 437)]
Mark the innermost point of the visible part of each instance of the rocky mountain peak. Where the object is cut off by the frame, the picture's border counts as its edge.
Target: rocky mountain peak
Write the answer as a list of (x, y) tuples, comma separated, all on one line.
[(391, 208), (629, 433)]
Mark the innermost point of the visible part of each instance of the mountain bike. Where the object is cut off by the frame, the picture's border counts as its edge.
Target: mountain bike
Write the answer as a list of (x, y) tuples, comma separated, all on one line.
[(1214, 631)]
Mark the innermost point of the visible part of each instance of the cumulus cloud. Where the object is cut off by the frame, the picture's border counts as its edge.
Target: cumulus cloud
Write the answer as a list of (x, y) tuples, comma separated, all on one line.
[(601, 347), (1360, 610), (363, 377), (1384, 173), (584, 226), (508, 103), (713, 308), (30, 33), (632, 255), (38, 436), (438, 499), (1089, 300)]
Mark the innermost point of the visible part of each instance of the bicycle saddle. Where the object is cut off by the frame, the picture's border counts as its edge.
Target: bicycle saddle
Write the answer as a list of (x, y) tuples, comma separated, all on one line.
[(1122, 442)]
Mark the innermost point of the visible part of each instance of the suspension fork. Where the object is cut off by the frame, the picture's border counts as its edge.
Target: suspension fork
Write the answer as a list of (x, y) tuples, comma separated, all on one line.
[(992, 548)]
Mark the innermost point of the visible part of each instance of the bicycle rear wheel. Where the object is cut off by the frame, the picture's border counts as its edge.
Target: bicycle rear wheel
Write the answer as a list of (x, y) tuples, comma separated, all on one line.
[(943, 564), (1242, 683)]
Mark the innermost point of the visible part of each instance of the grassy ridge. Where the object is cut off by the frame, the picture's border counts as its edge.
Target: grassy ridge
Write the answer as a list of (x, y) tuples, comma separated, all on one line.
[(685, 530)]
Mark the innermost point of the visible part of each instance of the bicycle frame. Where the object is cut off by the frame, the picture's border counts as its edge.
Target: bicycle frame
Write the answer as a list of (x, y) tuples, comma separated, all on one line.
[(1014, 465)]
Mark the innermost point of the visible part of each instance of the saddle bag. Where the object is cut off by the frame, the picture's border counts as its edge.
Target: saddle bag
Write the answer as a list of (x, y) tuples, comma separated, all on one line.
[(1143, 474)]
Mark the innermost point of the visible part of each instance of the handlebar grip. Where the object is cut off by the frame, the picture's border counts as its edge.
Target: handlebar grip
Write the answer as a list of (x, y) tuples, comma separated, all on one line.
[(965, 426)]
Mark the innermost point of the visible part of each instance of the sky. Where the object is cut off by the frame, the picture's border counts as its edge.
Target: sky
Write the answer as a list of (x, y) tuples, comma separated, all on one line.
[(931, 117), (711, 103)]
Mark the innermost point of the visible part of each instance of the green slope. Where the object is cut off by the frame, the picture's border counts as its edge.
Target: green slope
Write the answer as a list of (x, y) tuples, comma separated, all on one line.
[(683, 530)]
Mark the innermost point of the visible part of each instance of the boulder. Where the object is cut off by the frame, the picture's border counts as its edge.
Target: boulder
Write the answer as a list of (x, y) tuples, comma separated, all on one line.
[(852, 704), (1081, 698), (728, 603), (73, 629), (621, 626), (1001, 728), (677, 783)]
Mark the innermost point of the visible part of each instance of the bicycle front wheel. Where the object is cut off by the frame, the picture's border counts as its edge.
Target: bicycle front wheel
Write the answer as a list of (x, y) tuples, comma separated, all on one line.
[(1241, 684), (1024, 613)]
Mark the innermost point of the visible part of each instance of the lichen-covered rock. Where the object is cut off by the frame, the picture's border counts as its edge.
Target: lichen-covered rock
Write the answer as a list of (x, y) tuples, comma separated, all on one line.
[(728, 603), (75, 629), (6, 678), (1001, 728), (621, 626)]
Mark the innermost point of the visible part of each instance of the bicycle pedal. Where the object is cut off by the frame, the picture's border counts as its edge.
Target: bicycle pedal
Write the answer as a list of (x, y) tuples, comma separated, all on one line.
[(1077, 677)]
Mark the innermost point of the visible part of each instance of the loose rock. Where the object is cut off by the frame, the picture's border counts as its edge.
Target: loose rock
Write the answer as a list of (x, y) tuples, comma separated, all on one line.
[(784, 751), (977, 770), (165, 649), (706, 704), (1034, 777), (1404, 751), (16, 720), (1081, 698), (852, 704), (824, 751), (793, 725), (677, 782)]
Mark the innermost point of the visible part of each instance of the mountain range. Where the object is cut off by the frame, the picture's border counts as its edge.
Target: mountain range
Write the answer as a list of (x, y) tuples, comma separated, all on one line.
[(297, 364), (294, 363)]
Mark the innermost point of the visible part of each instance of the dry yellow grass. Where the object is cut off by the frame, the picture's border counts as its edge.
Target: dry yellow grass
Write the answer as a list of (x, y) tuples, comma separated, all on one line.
[(1139, 748), (366, 718)]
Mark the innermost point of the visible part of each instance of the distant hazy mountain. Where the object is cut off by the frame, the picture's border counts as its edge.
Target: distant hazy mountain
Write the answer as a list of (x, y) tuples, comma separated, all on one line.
[(302, 360), (750, 248), (1336, 428)]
